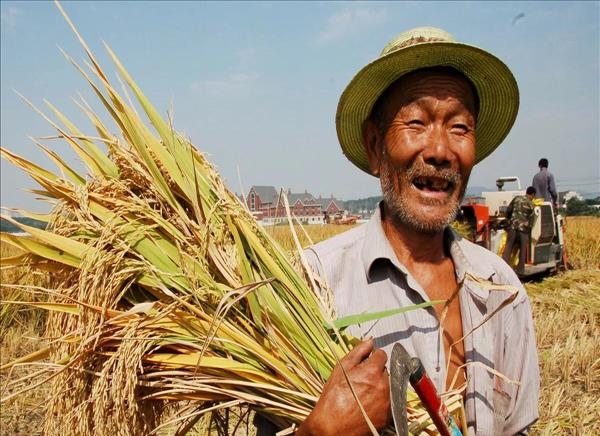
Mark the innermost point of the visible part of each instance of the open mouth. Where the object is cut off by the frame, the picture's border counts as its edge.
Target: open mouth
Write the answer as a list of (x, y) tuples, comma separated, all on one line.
[(433, 184)]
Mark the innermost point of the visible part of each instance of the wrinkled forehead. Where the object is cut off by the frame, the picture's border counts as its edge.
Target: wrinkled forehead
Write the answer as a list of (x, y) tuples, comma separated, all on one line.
[(440, 82)]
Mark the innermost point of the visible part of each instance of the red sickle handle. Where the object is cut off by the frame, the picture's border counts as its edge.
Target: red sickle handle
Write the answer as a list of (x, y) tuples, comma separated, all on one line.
[(427, 392)]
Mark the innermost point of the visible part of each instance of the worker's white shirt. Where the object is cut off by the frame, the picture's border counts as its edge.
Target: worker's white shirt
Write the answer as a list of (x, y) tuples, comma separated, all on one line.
[(363, 271)]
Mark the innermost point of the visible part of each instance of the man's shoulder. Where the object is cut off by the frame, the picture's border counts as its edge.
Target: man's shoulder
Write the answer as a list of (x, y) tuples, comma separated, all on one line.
[(522, 201), (515, 202), (478, 255), (340, 251), (502, 273), (542, 175), (349, 240)]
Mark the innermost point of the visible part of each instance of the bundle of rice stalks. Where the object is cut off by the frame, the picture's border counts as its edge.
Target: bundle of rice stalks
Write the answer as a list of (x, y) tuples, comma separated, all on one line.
[(164, 289)]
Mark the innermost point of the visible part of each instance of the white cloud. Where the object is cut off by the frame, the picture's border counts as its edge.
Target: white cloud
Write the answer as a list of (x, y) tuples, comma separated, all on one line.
[(241, 75), (245, 58), (8, 18), (232, 82), (348, 22), (244, 77)]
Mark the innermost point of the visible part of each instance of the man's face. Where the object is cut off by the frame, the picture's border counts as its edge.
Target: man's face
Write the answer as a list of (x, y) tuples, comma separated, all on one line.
[(425, 157)]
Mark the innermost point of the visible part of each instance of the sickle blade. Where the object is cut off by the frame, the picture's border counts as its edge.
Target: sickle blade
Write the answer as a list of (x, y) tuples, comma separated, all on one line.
[(400, 369)]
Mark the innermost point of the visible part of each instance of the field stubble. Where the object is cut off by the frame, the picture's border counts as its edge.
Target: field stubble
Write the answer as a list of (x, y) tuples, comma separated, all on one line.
[(566, 312)]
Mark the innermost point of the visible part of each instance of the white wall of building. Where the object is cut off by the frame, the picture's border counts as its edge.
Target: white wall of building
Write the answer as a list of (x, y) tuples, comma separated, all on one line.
[(311, 219)]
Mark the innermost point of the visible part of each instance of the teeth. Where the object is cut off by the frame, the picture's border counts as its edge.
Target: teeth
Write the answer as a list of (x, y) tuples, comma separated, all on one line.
[(439, 185), (435, 184)]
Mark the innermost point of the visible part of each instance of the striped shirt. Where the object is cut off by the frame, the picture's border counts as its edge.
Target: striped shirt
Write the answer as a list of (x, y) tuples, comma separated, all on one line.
[(365, 275)]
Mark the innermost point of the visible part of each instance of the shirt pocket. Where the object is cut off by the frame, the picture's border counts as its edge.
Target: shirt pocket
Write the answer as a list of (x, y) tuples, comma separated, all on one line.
[(501, 404)]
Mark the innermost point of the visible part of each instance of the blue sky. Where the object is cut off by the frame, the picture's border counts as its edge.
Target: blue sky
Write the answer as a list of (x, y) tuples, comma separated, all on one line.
[(256, 85)]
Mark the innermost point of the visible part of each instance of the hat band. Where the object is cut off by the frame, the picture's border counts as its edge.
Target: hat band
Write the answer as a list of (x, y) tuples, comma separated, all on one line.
[(416, 40)]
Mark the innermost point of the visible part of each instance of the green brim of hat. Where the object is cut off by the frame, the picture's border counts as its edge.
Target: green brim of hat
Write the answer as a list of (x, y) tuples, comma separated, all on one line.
[(496, 87)]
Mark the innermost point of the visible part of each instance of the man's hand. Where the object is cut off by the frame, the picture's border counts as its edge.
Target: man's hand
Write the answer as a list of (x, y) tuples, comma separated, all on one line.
[(337, 412)]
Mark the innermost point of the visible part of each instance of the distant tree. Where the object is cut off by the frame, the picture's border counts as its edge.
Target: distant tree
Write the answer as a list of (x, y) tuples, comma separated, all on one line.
[(356, 206), (577, 207)]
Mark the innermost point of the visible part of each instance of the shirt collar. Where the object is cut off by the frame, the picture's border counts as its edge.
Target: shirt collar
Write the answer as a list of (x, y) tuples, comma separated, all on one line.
[(465, 255), (376, 245)]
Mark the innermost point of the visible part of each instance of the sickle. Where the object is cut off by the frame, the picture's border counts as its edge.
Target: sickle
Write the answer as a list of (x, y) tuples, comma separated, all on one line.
[(401, 367)]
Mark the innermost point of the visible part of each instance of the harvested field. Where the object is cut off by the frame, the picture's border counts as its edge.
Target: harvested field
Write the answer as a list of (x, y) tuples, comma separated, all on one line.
[(567, 319), (566, 311)]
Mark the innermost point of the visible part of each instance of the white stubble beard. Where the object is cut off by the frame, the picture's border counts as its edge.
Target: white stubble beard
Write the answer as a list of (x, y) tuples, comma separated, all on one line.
[(400, 208)]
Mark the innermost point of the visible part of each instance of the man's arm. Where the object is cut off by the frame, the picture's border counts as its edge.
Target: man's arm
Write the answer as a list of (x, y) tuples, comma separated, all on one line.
[(337, 413), (521, 364), (509, 209), (530, 213), (552, 189)]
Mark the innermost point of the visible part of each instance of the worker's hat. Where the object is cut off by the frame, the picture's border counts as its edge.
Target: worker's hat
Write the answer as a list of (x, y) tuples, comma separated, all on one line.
[(426, 47)]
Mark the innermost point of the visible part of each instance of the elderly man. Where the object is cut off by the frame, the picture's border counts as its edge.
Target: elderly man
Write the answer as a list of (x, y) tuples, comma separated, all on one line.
[(419, 117)]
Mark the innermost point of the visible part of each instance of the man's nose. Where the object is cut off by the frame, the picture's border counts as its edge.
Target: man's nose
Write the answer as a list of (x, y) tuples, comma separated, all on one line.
[(437, 151)]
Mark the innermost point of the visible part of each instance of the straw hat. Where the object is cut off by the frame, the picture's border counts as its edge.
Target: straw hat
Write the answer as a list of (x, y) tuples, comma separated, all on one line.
[(425, 47)]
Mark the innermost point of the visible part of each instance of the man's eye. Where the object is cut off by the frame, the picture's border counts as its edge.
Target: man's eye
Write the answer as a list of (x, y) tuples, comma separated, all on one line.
[(416, 123), (460, 128)]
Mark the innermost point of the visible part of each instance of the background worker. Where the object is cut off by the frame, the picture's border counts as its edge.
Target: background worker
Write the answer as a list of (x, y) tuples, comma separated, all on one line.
[(520, 218), (544, 185)]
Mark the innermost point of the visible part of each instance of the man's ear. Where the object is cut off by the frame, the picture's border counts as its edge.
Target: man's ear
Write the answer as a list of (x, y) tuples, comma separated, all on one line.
[(373, 143)]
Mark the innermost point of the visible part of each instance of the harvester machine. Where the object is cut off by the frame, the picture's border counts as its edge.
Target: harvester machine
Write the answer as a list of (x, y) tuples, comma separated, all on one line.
[(485, 219)]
